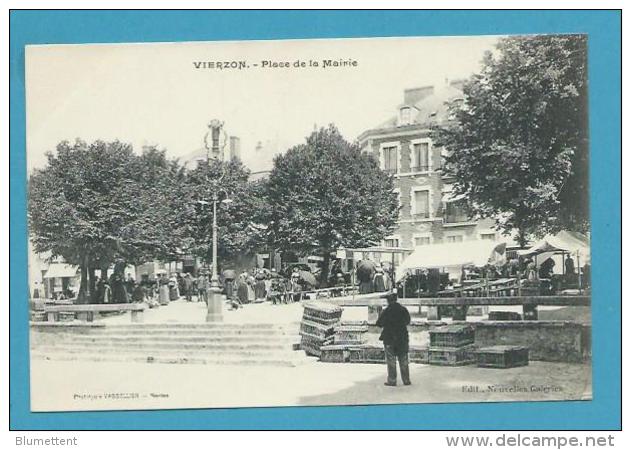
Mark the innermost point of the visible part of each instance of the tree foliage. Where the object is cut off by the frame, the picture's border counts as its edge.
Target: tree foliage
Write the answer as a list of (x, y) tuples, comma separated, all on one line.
[(239, 206), (518, 147), (326, 194), (95, 203)]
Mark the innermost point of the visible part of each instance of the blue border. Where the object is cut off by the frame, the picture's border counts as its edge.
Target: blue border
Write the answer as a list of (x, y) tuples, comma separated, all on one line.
[(604, 30)]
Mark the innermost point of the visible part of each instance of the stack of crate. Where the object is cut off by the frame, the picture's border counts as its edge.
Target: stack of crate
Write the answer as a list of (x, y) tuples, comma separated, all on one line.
[(502, 356), (504, 315), (317, 327), (452, 345), (347, 340)]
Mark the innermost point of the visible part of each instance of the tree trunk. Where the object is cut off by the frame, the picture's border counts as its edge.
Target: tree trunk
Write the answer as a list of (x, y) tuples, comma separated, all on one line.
[(324, 276), (84, 289), (92, 282), (521, 238)]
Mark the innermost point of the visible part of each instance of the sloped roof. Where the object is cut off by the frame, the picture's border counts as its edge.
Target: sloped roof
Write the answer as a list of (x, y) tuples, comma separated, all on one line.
[(431, 109)]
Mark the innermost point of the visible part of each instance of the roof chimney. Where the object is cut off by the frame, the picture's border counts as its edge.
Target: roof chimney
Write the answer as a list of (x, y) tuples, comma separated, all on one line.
[(415, 95)]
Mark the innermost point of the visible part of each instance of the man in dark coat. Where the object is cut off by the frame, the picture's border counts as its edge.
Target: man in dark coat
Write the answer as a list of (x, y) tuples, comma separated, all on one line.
[(394, 321)]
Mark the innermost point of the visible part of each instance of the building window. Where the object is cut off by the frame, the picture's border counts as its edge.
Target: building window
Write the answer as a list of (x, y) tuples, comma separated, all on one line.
[(421, 204), (406, 116), (454, 238), (487, 236), (456, 211), (422, 240), (420, 157), (389, 155), (391, 242)]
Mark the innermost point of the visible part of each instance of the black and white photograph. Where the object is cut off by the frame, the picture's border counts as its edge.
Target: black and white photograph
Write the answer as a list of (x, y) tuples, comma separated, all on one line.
[(308, 222)]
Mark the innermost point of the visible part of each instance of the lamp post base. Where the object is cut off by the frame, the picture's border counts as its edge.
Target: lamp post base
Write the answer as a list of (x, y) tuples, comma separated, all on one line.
[(215, 305)]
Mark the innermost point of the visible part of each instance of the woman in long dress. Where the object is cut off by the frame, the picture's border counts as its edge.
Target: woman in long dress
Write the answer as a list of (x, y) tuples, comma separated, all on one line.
[(378, 281), (242, 290), (259, 287)]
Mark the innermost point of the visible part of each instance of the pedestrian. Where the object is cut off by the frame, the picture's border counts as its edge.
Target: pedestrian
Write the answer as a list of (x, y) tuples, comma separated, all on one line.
[(340, 284), (187, 283), (202, 288), (569, 265), (394, 321), (174, 292), (531, 271), (163, 289), (138, 294), (107, 292), (378, 280), (259, 287), (242, 289), (546, 268), (130, 284), (228, 283)]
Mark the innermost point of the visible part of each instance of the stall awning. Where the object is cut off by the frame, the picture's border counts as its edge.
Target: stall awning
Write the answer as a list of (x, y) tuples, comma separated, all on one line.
[(564, 241), (61, 270), (438, 256)]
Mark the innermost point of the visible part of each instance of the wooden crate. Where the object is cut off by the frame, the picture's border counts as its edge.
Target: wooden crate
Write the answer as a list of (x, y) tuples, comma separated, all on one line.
[(452, 356), (419, 355), (336, 353), (322, 312), (316, 330), (38, 316), (350, 334), (504, 315), (65, 316), (502, 356), (376, 354), (451, 336)]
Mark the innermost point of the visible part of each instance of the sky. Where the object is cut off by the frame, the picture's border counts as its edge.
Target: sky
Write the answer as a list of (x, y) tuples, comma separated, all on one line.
[(152, 94)]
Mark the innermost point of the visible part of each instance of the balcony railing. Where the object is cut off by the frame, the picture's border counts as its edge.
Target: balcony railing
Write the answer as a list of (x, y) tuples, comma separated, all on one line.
[(391, 170), (456, 218), (419, 168)]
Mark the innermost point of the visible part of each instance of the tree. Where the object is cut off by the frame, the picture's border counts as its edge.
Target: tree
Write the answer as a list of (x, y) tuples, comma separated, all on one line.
[(239, 231), (518, 147), (93, 204), (326, 194)]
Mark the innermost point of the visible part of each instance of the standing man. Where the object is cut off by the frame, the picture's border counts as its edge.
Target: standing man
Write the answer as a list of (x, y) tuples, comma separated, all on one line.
[(202, 288), (394, 321), (569, 265)]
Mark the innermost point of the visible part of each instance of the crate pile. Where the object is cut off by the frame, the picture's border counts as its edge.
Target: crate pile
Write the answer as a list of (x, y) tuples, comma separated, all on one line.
[(452, 345), (504, 315), (317, 327), (502, 356), (348, 339)]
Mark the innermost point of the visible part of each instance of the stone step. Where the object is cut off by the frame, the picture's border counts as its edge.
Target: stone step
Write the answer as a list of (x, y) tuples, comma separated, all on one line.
[(284, 339), (228, 346), (202, 325), (261, 352), (224, 359)]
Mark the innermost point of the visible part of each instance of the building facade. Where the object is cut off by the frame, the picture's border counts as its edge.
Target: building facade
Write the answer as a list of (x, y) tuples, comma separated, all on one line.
[(429, 212)]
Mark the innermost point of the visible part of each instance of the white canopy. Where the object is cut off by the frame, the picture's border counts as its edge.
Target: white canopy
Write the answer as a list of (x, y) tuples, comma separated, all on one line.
[(437, 256), (564, 241), (61, 270)]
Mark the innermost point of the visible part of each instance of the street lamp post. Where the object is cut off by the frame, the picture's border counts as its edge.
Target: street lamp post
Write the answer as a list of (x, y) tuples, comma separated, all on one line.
[(212, 143)]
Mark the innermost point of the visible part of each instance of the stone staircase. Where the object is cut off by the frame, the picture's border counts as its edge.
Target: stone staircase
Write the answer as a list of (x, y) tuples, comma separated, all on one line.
[(203, 343)]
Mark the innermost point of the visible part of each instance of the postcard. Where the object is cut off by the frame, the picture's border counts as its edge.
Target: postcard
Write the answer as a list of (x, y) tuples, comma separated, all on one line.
[(308, 222)]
